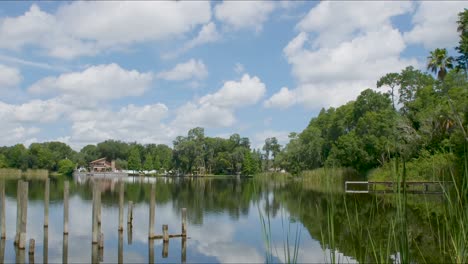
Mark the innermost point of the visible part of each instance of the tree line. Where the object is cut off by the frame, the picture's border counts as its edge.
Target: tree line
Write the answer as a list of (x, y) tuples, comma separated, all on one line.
[(194, 153)]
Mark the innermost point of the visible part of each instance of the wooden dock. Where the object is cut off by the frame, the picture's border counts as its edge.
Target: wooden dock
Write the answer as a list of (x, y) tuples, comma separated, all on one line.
[(412, 187)]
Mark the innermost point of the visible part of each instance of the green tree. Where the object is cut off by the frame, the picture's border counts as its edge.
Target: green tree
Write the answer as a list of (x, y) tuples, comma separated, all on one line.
[(439, 63), (462, 48), (134, 160), (391, 80), (66, 167), (148, 164)]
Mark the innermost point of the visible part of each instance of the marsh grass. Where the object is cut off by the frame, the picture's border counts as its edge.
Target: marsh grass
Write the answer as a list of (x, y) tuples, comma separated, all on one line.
[(291, 236)]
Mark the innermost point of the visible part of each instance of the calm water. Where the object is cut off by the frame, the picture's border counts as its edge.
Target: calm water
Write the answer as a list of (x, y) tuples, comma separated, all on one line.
[(224, 222)]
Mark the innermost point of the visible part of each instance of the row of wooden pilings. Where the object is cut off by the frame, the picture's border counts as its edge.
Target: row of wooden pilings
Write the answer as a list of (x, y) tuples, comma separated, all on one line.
[(97, 235)]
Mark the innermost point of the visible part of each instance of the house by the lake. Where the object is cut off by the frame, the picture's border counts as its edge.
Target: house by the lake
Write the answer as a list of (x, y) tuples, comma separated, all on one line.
[(101, 165)]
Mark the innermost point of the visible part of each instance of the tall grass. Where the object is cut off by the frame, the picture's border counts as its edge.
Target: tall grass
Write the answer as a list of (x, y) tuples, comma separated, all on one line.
[(291, 236)]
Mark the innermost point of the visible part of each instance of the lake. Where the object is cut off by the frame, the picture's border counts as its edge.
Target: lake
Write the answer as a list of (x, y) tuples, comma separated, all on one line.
[(229, 220)]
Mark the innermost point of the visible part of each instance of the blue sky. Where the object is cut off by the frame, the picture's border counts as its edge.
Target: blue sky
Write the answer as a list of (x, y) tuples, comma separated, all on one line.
[(84, 72)]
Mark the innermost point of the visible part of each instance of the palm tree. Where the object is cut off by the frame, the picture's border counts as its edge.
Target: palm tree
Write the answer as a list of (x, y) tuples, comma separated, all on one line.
[(439, 62)]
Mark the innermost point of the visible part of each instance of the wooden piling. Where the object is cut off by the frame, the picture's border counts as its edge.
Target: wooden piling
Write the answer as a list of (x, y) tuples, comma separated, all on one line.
[(22, 241), (31, 246), (2, 196), (120, 249), (66, 189), (129, 233), (24, 211), (183, 250), (94, 217), (99, 208), (46, 202), (2, 250), (151, 251), (165, 232), (121, 206), (18, 210), (130, 213), (165, 249), (94, 254), (45, 246), (65, 249), (151, 211), (20, 255), (184, 222), (101, 240)]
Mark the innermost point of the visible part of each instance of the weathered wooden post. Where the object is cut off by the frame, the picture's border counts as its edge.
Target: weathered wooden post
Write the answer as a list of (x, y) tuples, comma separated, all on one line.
[(99, 208), (31, 246), (45, 247), (165, 233), (2, 196), (65, 249), (184, 222), (129, 233), (24, 215), (22, 241), (46, 202), (20, 255), (2, 250), (151, 211), (94, 254), (130, 213), (121, 206), (66, 189), (120, 248), (18, 210), (151, 251), (101, 240), (184, 250), (31, 251), (165, 250), (94, 217)]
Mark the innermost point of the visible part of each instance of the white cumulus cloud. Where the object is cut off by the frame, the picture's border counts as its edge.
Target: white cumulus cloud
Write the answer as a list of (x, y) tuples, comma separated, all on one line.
[(101, 82), (282, 99), (244, 14), (9, 77), (87, 28), (192, 69), (435, 24), (217, 109)]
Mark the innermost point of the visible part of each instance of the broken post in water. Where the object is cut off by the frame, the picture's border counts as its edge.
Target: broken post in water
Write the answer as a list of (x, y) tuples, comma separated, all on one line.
[(66, 189), (151, 211), (184, 222), (121, 206), (45, 246), (183, 250), (22, 241), (165, 249), (2, 250), (165, 233), (65, 249), (18, 210), (31, 246), (24, 214), (94, 254), (129, 233), (130, 213), (46, 202), (120, 249), (31, 251), (98, 207), (94, 217), (151, 251), (2, 196), (101, 240)]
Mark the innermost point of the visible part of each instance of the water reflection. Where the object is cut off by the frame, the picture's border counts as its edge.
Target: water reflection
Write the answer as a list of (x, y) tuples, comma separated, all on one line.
[(223, 222)]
